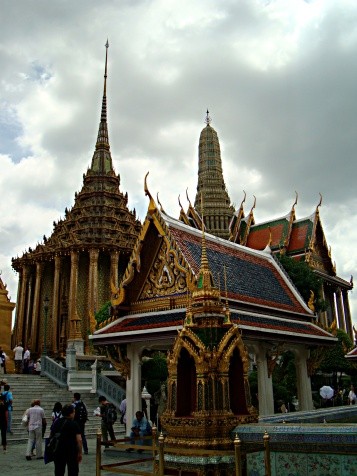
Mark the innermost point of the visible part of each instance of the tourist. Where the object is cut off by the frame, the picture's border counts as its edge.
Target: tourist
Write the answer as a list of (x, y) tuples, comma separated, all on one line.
[(18, 351), (56, 411), (107, 419), (26, 360), (81, 417), (140, 427), (69, 451), (3, 359), (122, 409), (352, 396), (36, 422), (37, 367), (3, 422), (8, 406)]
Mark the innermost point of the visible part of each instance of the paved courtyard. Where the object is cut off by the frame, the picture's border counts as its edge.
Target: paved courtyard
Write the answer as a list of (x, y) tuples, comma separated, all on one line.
[(14, 463)]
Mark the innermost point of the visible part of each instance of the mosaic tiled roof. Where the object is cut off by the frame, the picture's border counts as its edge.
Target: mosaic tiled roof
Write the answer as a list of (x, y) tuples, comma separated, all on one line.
[(253, 277), (278, 230), (301, 234)]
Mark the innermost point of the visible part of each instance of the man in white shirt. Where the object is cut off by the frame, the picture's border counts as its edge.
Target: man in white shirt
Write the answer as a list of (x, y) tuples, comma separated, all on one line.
[(27, 356), (18, 351), (36, 418)]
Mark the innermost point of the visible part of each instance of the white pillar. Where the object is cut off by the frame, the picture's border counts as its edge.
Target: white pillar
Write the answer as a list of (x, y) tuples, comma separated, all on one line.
[(303, 381), (133, 385), (265, 383)]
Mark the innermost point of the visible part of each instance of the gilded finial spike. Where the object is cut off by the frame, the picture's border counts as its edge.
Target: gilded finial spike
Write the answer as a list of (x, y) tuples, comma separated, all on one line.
[(208, 119), (179, 201), (106, 67)]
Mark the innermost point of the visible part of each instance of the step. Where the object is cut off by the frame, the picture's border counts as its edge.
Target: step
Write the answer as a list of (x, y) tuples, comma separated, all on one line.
[(25, 388)]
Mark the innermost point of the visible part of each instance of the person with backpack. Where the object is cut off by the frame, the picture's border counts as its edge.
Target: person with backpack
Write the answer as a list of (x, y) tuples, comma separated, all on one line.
[(81, 417), (3, 422), (108, 414), (8, 406), (68, 447)]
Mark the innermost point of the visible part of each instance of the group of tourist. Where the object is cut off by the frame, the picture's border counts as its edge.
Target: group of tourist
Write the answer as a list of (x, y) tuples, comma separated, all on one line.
[(23, 361), (68, 425)]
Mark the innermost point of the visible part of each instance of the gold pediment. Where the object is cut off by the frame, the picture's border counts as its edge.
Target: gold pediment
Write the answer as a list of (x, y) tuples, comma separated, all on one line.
[(165, 277)]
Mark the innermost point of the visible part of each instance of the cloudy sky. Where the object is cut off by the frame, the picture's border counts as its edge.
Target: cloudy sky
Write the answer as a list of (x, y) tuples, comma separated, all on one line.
[(278, 77)]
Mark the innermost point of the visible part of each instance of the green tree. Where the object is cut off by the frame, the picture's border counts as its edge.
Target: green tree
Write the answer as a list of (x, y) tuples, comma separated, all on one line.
[(103, 313), (154, 372), (334, 361), (304, 279)]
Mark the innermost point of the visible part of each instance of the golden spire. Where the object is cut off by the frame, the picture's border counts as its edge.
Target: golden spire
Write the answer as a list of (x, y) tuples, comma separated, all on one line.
[(102, 160), (205, 279)]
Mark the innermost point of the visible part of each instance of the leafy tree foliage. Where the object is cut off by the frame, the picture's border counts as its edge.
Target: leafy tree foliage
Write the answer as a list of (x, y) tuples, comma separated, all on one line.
[(334, 360), (103, 313), (154, 372), (304, 279)]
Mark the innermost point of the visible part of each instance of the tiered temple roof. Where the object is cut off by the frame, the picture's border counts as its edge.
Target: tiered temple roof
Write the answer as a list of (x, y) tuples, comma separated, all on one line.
[(153, 297), (100, 216)]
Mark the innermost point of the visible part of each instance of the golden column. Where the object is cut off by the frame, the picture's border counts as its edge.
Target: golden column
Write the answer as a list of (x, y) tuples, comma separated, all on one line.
[(24, 273), (72, 311), (54, 338), (114, 264), (92, 283), (36, 310)]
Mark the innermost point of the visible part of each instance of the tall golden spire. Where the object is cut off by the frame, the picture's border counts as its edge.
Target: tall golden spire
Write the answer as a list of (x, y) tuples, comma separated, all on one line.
[(205, 279), (102, 160)]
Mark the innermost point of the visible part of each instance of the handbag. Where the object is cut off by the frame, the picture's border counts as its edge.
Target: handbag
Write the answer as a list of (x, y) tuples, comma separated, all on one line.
[(25, 420)]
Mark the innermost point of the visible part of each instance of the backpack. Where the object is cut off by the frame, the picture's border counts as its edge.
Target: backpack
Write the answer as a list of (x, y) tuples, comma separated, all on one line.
[(81, 414), (6, 401), (110, 414), (52, 443)]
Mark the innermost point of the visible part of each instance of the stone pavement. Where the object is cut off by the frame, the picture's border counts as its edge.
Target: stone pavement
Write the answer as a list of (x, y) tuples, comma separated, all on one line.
[(14, 463)]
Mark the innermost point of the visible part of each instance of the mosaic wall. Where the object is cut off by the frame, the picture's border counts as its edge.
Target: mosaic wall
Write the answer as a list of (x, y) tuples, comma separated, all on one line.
[(303, 464)]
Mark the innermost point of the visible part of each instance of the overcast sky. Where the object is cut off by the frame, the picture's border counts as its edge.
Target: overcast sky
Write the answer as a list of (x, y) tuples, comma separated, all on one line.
[(278, 77)]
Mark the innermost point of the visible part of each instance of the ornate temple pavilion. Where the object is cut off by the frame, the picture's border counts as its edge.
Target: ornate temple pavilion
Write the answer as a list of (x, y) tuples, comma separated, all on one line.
[(149, 306), (74, 267)]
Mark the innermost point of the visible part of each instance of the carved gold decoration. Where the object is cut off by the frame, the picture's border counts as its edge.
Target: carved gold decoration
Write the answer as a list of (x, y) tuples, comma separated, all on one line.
[(120, 362), (117, 294), (333, 327), (311, 303), (272, 357), (164, 278), (92, 322), (75, 327)]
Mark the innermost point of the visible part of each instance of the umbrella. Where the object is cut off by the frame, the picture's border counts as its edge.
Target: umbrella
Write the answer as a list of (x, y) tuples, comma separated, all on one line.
[(326, 392)]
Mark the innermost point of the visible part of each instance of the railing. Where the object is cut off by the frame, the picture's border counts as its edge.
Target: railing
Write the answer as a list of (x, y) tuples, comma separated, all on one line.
[(109, 389), (158, 451), (54, 371)]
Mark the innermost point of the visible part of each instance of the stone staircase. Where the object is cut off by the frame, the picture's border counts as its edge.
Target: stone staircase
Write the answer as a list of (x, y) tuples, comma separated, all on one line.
[(25, 388)]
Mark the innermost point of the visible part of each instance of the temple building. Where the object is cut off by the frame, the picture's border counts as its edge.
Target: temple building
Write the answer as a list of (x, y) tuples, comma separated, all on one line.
[(152, 305), (302, 239), (75, 267)]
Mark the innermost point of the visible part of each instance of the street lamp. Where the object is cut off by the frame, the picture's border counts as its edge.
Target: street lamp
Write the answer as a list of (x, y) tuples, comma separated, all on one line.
[(46, 306)]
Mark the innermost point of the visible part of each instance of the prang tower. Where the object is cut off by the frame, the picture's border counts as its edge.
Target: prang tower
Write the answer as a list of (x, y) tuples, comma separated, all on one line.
[(211, 189)]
